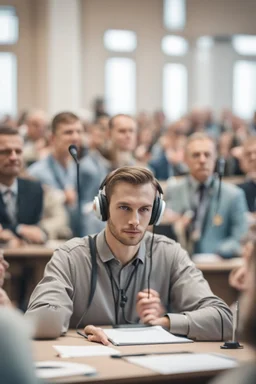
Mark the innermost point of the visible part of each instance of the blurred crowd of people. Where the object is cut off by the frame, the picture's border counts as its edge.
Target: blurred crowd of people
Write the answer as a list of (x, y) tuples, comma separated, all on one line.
[(107, 142)]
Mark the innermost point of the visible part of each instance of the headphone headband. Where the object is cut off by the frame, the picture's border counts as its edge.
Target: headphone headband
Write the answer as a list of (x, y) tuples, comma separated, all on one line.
[(101, 202), (105, 182)]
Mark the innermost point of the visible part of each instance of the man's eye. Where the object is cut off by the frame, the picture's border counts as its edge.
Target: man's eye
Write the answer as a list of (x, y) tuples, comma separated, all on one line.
[(144, 209), (124, 208)]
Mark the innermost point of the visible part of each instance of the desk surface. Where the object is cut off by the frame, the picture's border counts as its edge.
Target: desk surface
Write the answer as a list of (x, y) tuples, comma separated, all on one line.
[(119, 371)]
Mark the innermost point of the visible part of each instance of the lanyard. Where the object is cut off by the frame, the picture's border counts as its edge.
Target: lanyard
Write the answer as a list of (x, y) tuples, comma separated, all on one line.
[(122, 291)]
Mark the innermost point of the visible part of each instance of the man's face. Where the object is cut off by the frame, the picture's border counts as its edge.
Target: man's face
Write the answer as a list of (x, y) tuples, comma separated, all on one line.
[(65, 135), (200, 157), (123, 134), (130, 210), (11, 150), (249, 155)]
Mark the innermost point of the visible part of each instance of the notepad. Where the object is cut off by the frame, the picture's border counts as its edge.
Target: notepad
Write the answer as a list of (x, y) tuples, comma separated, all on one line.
[(148, 335), (183, 363), (85, 351), (53, 369)]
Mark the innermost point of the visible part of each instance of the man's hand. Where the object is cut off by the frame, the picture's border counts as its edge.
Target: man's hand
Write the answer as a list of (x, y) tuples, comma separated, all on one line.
[(3, 267), (237, 278), (4, 299), (70, 196), (96, 334), (32, 233), (149, 307)]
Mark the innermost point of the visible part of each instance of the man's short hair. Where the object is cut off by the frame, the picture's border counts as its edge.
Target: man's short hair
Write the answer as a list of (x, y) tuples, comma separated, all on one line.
[(6, 130), (199, 136), (112, 120), (63, 118), (128, 174)]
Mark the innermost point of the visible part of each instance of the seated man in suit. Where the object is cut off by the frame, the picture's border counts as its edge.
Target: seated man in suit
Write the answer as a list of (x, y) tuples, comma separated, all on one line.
[(248, 163), (209, 222), (136, 276), (21, 200)]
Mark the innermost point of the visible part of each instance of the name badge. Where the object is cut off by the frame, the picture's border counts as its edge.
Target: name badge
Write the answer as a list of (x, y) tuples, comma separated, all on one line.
[(217, 220)]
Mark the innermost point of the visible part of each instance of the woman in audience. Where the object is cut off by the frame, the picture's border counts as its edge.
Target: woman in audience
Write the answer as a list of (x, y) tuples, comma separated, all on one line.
[(246, 374)]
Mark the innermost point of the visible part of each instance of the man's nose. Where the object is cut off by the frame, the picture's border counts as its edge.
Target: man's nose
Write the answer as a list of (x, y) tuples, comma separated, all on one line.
[(202, 158), (76, 137), (134, 219), (13, 155)]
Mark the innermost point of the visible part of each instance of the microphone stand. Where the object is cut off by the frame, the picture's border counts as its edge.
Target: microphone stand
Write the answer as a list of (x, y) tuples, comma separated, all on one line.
[(73, 152), (79, 205)]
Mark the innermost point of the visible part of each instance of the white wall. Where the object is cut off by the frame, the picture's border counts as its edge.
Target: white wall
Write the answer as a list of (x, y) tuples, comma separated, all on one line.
[(61, 55), (64, 55)]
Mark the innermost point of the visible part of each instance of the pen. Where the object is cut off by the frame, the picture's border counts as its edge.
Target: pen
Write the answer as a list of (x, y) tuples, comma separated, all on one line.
[(147, 354), (82, 334)]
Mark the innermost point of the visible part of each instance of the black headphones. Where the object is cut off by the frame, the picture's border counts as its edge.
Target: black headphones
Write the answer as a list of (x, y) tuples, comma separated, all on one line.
[(101, 204)]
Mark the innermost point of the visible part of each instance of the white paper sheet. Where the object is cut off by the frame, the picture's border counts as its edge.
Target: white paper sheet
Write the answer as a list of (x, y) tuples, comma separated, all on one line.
[(52, 369), (84, 351), (182, 363), (147, 335)]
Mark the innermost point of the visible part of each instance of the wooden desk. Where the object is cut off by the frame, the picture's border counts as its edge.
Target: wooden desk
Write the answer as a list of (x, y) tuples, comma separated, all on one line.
[(27, 266), (119, 371), (33, 259)]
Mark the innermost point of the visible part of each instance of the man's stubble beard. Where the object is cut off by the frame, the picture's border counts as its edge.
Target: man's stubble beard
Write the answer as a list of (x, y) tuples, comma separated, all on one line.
[(120, 239)]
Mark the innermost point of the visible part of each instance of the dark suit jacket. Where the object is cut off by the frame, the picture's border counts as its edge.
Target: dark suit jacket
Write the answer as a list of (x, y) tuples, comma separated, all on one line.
[(29, 205)]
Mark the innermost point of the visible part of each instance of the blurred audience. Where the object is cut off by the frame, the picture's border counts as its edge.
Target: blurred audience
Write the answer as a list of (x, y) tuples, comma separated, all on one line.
[(123, 140), (4, 299), (170, 160), (237, 277), (21, 200), (58, 169), (248, 164), (210, 221), (93, 169), (35, 135)]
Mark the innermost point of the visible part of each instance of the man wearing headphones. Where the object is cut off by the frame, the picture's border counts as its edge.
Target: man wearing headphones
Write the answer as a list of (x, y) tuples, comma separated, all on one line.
[(126, 275)]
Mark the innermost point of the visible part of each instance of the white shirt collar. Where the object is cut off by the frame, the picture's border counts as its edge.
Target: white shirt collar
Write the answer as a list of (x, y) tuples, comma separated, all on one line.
[(13, 188), (195, 183)]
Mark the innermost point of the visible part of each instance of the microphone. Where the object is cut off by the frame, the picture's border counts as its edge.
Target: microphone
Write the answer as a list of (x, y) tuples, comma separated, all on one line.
[(73, 152), (221, 166)]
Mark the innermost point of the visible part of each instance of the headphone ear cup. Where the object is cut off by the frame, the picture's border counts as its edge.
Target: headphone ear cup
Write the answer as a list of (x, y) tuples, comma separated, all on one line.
[(157, 211), (101, 206), (154, 211), (104, 207), (96, 206), (160, 211)]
